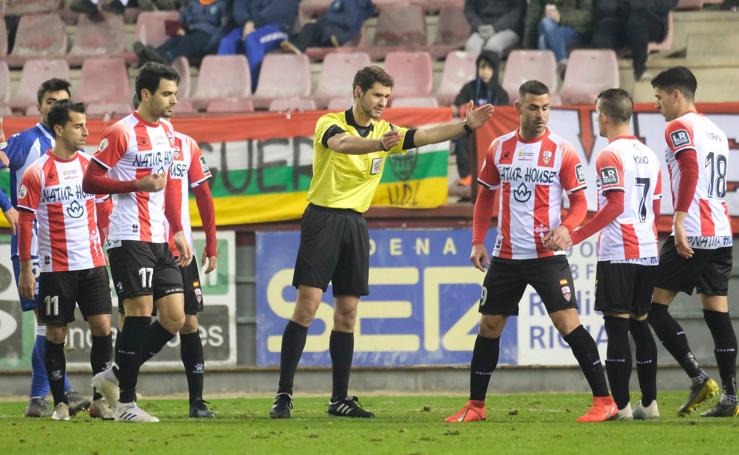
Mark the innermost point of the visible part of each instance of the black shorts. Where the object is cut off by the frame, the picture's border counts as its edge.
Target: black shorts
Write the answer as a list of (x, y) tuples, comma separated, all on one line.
[(506, 281), (59, 292), (707, 271), (193, 293), (334, 247), (143, 268), (624, 288)]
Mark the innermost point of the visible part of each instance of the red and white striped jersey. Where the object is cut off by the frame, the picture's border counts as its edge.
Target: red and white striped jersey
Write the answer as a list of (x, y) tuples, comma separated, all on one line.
[(131, 149), (628, 165), (533, 177), (189, 169), (707, 223), (68, 237)]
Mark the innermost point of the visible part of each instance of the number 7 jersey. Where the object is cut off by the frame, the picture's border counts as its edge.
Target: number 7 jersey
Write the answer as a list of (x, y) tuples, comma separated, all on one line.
[(707, 223)]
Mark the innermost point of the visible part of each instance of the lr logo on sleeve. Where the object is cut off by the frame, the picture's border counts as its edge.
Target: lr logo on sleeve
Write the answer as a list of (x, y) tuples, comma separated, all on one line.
[(679, 138), (609, 176)]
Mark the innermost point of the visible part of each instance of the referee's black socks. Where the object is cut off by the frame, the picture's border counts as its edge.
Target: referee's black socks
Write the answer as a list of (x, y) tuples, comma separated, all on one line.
[(484, 360), (673, 338), (646, 360), (586, 352), (341, 348), (128, 355), (618, 359), (56, 368), (725, 350), (293, 343)]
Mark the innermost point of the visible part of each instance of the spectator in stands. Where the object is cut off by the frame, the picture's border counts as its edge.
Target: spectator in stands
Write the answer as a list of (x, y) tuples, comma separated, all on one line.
[(496, 25), (558, 25), (90, 7), (260, 27), (484, 89), (338, 25), (632, 23), (200, 30)]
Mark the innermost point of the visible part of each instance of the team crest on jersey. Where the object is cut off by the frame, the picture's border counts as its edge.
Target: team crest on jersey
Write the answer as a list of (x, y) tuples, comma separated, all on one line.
[(22, 191), (609, 176), (580, 173), (679, 137), (566, 293), (103, 144), (546, 157)]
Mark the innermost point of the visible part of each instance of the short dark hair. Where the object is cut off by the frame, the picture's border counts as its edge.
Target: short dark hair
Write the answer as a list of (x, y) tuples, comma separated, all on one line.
[(59, 113), (677, 77), (617, 104), (533, 87), (151, 73), (367, 76), (52, 85)]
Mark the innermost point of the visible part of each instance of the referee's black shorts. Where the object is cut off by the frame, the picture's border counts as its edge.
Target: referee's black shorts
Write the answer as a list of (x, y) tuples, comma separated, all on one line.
[(334, 247)]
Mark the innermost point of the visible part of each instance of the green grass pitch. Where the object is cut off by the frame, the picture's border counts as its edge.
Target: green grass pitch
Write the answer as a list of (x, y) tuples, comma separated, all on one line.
[(520, 423)]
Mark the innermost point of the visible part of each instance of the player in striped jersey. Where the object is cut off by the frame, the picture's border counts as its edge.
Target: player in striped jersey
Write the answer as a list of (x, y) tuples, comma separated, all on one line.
[(71, 257), (22, 149), (533, 168), (630, 188), (698, 254)]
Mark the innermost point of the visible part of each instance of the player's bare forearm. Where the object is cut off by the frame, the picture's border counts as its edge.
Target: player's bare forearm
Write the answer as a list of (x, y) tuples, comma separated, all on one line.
[(679, 218)]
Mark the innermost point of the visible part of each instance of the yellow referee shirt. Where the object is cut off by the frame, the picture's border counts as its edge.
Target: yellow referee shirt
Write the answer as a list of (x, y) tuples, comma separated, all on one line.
[(345, 181)]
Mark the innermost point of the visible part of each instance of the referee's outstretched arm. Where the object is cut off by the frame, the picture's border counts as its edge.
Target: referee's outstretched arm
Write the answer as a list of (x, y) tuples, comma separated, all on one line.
[(475, 119)]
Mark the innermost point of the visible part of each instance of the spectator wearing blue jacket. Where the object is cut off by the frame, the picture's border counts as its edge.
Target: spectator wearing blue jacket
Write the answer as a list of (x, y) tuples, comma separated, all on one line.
[(260, 27), (201, 25), (338, 25)]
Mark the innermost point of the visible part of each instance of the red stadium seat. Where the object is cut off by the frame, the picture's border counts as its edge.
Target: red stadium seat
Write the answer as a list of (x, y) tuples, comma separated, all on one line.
[(359, 41), (19, 8), (314, 8), (39, 35), (452, 32), (4, 82), (283, 76), (340, 104), (291, 104), (108, 109), (381, 5), (5, 111), (459, 68), (230, 105), (34, 73), (222, 76), (436, 5), (104, 80), (412, 73), (337, 75), (588, 73), (184, 107), (526, 65), (150, 26), (105, 38), (415, 101), (182, 66), (402, 27)]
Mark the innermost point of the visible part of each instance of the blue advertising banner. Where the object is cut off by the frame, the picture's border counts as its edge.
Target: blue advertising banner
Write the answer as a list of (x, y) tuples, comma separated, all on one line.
[(422, 307)]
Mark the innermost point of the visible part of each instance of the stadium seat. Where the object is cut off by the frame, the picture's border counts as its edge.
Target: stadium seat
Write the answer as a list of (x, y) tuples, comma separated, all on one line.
[(690, 4), (184, 107), (588, 73), (283, 76), (291, 104), (337, 75), (104, 80), (437, 5), (35, 72), (39, 35), (108, 109), (230, 105), (402, 27), (459, 68), (412, 73), (452, 31), (19, 8), (357, 44), (105, 38), (381, 5), (3, 39), (5, 111), (665, 44), (222, 76), (340, 104), (4, 83), (314, 8), (525, 65), (711, 45), (182, 66), (150, 26), (415, 101)]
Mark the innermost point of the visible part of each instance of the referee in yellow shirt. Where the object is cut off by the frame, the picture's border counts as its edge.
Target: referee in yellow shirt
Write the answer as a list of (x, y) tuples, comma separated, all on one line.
[(350, 149)]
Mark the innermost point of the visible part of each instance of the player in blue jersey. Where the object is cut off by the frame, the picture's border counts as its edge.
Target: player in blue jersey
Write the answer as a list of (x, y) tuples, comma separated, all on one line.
[(22, 149)]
